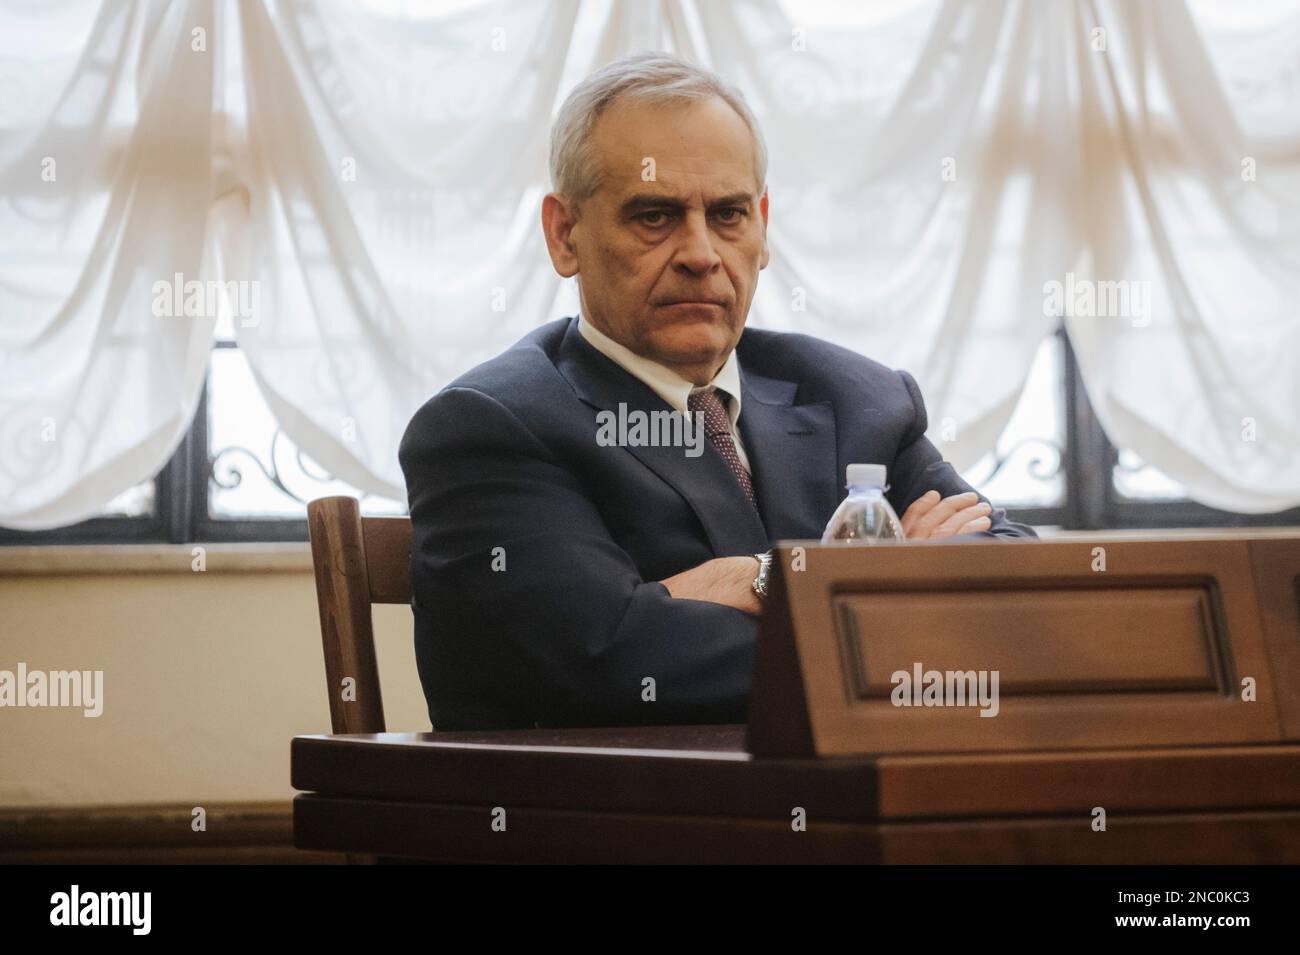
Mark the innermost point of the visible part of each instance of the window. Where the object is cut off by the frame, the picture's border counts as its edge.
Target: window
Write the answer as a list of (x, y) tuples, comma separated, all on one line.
[(1055, 467), (237, 477)]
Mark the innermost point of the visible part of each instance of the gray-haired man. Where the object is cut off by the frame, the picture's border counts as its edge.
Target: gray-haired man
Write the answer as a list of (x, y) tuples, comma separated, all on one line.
[(561, 580)]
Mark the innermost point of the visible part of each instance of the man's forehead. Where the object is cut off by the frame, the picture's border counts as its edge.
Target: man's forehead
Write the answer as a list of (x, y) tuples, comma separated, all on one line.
[(706, 183), (701, 148)]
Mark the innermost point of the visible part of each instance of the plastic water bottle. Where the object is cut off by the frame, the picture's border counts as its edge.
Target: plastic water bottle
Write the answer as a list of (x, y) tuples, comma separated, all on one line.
[(864, 517)]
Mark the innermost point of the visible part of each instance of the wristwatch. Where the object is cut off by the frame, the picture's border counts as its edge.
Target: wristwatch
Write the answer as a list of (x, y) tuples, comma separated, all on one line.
[(764, 566)]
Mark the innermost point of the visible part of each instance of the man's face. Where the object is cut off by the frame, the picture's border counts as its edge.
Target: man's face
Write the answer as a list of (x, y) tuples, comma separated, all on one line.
[(668, 267)]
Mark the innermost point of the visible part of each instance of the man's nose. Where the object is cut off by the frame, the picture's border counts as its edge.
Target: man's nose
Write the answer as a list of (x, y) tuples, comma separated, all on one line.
[(695, 252)]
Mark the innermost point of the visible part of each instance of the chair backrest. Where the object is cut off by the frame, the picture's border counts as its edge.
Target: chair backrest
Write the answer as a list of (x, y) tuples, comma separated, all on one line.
[(359, 561)]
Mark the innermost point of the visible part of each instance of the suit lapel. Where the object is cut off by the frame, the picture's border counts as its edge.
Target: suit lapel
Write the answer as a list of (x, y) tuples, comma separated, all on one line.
[(792, 452), (730, 523)]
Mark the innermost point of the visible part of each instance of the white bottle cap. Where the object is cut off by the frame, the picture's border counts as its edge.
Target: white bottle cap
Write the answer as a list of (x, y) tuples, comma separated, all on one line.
[(866, 475)]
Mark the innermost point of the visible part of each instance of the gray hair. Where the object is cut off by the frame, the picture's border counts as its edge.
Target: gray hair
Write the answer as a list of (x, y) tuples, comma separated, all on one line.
[(654, 77)]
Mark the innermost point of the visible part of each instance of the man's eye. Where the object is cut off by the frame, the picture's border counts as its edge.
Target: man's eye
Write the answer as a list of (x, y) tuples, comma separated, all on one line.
[(732, 219), (643, 217)]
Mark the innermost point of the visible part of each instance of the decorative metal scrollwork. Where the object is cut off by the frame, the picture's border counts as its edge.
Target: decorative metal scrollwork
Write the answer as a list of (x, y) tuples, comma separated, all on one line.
[(224, 469), (1038, 467)]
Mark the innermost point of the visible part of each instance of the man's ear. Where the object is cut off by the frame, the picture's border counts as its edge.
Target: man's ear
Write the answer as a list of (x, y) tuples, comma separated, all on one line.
[(762, 208), (559, 217)]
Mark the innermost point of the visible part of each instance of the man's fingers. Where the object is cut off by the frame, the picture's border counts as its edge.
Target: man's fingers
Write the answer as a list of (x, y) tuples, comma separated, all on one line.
[(979, 524), (941, 512), (967, 515), (918, 509)]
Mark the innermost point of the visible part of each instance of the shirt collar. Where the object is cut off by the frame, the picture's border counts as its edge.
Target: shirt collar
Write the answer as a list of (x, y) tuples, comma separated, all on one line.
[(663, 381)]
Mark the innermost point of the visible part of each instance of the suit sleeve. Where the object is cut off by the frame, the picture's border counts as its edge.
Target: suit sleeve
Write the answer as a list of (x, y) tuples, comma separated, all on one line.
[(510, 552), (919, 467)]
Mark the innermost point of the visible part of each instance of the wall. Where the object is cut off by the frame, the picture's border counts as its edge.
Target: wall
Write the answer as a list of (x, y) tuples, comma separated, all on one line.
[(207, 676)]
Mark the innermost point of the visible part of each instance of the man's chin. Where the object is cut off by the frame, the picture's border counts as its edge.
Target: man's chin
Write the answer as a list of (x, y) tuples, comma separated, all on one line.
[(691, 349)]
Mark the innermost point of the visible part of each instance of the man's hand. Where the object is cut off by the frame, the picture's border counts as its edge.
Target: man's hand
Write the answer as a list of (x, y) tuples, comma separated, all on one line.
[(723, 580), (930, 518)]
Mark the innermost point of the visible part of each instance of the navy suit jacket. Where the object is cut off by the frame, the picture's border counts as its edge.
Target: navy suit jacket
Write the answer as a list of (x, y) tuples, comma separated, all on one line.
[(536, 551)]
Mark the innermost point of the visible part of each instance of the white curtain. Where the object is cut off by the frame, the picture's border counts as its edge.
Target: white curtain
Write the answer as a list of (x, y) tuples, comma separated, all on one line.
[(1192, 173), (104, 189), (375, 170)]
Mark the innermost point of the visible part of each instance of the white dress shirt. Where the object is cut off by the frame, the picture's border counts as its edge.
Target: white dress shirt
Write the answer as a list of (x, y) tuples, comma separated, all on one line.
[(669, 385)]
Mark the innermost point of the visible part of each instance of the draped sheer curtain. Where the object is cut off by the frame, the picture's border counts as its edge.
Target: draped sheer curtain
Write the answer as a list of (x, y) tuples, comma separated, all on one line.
[(373, 171)]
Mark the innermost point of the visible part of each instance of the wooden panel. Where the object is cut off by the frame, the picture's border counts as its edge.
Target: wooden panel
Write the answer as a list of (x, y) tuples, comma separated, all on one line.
[(624, 774), (802, 702), (629, 779), (1277, 575), (465, 834), (1212, 838), (388, 558), (1026, 784), (1142, 638)]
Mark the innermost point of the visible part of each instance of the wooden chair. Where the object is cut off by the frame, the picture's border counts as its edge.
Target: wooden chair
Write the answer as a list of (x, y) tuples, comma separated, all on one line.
[(359, 561)]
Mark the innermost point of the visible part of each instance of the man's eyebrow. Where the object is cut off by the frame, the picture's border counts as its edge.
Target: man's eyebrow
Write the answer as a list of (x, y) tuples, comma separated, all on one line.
[(645, 201), (735, 199)]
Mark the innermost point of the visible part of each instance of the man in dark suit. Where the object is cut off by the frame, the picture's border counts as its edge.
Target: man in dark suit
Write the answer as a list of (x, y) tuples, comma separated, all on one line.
[(569, 567)]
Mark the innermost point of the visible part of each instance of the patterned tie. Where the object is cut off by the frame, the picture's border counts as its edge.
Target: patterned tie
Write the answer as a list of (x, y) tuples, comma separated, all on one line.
[(717, 425)]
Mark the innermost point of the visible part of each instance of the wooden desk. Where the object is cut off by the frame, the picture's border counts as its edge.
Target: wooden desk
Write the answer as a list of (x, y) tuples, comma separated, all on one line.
[(691, 794)]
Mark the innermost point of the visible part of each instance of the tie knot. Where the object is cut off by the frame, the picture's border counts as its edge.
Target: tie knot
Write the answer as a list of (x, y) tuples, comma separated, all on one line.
[(707, 403)]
